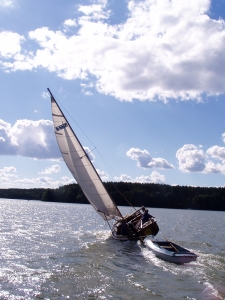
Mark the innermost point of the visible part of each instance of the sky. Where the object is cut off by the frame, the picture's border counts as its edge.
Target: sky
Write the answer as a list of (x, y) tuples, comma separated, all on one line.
[(142, 84)]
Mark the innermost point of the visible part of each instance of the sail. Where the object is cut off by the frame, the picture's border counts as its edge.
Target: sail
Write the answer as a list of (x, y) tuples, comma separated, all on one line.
[(80, 165)]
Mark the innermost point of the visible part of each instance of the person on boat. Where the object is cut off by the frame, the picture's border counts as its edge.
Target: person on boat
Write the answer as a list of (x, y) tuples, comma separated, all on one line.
[(146, 216)]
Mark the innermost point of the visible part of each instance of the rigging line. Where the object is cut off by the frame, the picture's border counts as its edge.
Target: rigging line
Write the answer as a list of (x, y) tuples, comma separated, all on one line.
[(113, 182), (87, 153)]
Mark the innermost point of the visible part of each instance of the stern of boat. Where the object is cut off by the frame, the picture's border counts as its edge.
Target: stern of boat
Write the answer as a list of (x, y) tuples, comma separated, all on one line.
[(149, 228)]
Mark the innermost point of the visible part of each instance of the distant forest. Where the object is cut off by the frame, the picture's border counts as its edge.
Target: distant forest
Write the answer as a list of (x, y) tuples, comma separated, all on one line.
[(138, 194)]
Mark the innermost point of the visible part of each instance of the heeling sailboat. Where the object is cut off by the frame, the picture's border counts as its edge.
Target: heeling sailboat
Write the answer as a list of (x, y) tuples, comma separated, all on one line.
[(77, 160)]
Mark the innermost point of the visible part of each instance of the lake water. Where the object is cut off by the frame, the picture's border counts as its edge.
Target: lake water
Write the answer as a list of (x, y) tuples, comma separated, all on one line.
[(64, 251)]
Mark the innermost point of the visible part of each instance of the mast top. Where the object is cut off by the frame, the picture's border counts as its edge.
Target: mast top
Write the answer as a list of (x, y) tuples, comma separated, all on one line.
[(50, 92)]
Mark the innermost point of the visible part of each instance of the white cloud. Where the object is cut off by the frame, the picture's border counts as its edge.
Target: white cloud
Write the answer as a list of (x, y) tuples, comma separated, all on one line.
[(90, 9), (124, 177), (145, 160), (8, 142), (94, 11), (155, 177), (191, 158), (52, 169), (43, 182), (6, 3), (10, 44), (28, 138), (211, 167), (45, 95), (33, 139), (67, 180), (154, 54), (89, 153), (217, 152), (39, 181), (70, 23), (88, 93), (4, 179), (6, 174), (85, 87), (10, 180), (103, 175), (8, 169)]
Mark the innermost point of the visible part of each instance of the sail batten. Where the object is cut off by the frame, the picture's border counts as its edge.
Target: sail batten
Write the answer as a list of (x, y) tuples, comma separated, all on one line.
[(81, 167)]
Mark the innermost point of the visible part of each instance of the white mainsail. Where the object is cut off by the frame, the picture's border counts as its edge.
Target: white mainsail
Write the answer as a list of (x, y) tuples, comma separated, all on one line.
[(80, 165)]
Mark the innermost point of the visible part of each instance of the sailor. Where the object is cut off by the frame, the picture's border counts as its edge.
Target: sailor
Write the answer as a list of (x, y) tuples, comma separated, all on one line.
[(146, 216)]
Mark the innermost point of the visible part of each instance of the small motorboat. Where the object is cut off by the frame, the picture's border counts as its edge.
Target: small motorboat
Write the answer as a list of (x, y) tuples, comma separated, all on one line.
[(170, 251)]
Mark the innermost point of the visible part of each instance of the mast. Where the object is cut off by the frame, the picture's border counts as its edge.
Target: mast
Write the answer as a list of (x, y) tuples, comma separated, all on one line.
[(80, 165)]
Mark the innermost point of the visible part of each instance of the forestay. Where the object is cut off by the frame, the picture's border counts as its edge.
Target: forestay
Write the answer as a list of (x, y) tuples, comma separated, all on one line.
[(80, 165)]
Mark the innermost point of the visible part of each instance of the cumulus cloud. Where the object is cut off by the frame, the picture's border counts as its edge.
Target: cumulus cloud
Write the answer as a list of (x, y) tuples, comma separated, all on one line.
[(42, 181), (103, 175), (70, 23), (123, 177), (10, 44), (144, 159), (8, 169), (33, 139), (67, 180), (8, 142), (39, 180), (7, 173), (94, 11), (217, 152), (212, 167), (29, 138), (10, 180), (154, 54), (52, 169), (193, 159), (155, 177)]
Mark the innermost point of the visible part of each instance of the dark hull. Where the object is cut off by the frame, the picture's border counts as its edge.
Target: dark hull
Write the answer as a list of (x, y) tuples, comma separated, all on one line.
[(134, 229)]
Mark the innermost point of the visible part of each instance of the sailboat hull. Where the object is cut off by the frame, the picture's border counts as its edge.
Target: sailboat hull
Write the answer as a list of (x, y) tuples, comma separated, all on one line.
[(152, 230), (131, 227)]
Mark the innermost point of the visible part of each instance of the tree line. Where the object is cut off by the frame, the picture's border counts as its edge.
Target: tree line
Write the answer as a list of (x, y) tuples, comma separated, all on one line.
[(138, 194)]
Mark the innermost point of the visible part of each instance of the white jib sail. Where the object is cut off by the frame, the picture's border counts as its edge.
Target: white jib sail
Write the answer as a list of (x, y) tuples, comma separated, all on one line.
[(81, 167)]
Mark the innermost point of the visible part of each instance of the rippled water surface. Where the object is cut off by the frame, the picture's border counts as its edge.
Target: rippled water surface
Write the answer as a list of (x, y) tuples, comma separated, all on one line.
[(64, 251)]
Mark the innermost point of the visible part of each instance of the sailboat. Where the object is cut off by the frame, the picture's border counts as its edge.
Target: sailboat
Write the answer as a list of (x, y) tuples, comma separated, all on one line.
[(129, 227)]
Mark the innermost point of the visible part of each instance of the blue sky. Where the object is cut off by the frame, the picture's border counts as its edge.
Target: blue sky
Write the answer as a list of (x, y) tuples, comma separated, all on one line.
[(142, 82)]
